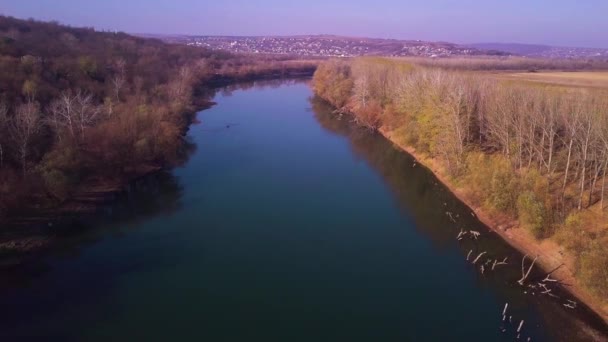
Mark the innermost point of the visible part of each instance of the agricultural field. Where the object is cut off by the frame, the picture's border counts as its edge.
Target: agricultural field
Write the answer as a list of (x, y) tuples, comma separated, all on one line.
[(590, 79)]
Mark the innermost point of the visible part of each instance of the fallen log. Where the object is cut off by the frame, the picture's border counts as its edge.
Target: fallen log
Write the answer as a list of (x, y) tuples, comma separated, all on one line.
[(524, 274), (497, 263), (479, 256)]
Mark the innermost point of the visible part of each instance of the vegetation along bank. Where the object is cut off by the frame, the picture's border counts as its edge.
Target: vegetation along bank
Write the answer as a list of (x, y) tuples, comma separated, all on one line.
[(83, 112), (531, 158)]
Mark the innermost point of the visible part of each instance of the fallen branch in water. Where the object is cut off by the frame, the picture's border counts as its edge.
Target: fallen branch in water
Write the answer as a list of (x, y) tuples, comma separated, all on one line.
[(524, 274), (450, 215), (545, 288), (497, 263), (571, 304), (479, 256), (548, 276)]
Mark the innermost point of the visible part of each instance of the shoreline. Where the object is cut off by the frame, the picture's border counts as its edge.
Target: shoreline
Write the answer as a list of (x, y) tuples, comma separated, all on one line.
[(550, 255), (33, 232)]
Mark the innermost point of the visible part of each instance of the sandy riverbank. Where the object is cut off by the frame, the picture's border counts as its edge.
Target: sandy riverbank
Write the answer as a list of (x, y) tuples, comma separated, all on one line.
[(550, 255)]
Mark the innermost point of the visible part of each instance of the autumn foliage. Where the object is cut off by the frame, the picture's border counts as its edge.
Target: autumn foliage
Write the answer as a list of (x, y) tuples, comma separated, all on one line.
[(78, 106), (535, 152)]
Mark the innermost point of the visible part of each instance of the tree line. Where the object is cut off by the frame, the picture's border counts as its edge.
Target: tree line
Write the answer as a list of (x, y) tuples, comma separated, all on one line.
[(538, 153), (80, 106)]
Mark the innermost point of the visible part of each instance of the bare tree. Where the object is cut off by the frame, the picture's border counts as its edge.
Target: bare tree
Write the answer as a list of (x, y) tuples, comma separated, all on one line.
[(604, 139), (454, 122), (180, 83), (120, 76), (361, 91), (3, 127), (584, 141), (63, 113), (118, 81), (86, 111), (499, 120), (74, 111), (571, 121), (549, 126), (24, 126), (605, 168)]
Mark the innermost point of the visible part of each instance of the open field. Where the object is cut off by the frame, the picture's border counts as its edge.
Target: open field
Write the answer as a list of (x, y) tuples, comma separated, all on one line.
[(592, 79)]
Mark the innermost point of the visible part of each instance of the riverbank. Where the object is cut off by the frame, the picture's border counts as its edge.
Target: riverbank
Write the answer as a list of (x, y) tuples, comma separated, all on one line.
[(516, 153), (317, 231), (551, 257), (34, 230)]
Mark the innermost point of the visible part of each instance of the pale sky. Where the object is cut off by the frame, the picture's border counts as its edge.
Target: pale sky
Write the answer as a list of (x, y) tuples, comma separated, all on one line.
[(554, 22)]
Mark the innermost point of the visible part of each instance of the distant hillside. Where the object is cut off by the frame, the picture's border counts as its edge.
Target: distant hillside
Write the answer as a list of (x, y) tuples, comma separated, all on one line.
[(544, 51), (339, 46), (329, 46)]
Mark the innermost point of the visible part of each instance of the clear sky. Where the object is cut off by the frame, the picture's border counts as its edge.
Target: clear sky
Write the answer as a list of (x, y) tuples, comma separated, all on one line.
[(555, 22)]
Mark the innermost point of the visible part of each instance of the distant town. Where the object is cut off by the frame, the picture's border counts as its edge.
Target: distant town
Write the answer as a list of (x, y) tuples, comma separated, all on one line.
[(330, 46), (338, 46)]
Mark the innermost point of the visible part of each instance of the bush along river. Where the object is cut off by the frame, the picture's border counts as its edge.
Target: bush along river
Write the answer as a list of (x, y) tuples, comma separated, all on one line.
[(287, 223)]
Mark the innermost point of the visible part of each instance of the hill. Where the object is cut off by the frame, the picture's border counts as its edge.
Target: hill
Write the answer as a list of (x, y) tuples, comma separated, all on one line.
[(329, 46), (544, 51)]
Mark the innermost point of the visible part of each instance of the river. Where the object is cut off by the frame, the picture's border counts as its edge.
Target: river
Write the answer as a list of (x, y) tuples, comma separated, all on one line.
[(287, 223)]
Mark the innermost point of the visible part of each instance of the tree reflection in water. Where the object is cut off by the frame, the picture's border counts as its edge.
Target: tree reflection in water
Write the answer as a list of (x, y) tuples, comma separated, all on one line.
[(440, 216)]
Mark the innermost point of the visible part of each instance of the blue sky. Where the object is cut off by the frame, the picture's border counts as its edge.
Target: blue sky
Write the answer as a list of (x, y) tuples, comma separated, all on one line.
[(555, 22)]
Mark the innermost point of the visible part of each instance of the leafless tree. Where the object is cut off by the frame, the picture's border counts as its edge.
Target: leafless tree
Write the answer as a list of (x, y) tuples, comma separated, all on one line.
[(63, 113), (584, 139), (361, 91), (118, 81), (549, 126), (24, 126), (3, 127), (181, 81), (603, 134), (75, 111), (86, 111), (571, 121), (499, 119)]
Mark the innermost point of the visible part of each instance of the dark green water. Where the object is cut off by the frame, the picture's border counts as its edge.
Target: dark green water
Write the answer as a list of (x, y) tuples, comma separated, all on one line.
[(286, 224)]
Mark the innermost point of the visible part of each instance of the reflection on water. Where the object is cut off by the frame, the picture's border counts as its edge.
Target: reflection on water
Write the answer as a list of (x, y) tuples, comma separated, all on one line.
[(151, 196), (440, 216), (227, 91), (271, 229)]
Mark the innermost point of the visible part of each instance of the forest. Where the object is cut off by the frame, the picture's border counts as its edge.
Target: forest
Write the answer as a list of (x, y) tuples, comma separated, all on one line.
[(535, 153), (79, 107)]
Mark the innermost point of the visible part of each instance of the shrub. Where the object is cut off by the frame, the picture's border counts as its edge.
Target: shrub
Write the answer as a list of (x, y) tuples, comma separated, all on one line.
[(477, 173), (332, 82), (393, 119), (532, 213), (593, 267), (369, 116), (57, 183), (503, 185)]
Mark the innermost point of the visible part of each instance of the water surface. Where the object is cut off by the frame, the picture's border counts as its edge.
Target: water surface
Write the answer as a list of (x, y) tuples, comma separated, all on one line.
[(288, 223)]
